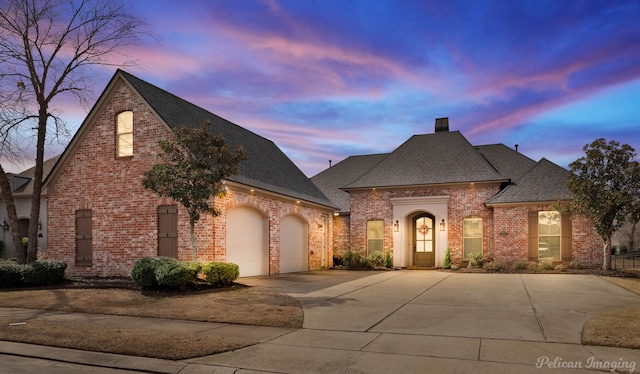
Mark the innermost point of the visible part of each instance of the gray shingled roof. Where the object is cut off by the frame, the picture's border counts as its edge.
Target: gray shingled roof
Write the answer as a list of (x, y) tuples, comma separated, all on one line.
[(544, 183), (345, 172), (443, 157), (266, 166), (24, 180), (510, 163)]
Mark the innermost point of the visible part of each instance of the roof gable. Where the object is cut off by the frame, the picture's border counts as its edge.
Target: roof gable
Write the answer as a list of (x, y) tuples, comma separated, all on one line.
[(266, 166), (509, 163), (543, 183), (439, 158), (346, 171)]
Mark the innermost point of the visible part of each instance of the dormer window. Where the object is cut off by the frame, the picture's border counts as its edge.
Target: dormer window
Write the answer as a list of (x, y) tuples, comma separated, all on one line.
[(124, 137)]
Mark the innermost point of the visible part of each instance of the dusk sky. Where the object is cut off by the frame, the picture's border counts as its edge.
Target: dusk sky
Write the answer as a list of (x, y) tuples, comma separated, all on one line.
[(330, 79)]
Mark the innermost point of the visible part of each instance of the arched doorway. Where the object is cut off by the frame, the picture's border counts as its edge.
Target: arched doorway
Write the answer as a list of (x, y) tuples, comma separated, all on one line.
[(248, 241), (294, 244), (424, 240)]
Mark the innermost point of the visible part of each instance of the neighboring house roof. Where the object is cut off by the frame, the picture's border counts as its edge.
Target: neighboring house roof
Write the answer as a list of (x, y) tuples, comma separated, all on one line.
[(509, 163), (23, 182), (345, 172), (266, 166), (544, 183), (439, 158)]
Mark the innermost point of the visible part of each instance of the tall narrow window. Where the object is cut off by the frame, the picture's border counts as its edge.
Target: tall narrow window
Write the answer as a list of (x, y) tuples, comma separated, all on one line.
[(84, 250), (472, 234), (549, 235), (375, 236), (124, 139)]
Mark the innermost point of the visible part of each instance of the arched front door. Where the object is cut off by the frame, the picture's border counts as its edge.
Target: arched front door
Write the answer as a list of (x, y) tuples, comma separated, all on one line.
[(424, 241)]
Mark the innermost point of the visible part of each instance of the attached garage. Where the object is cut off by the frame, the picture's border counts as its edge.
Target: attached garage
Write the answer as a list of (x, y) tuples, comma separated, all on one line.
[(248, 241), (294, 247)]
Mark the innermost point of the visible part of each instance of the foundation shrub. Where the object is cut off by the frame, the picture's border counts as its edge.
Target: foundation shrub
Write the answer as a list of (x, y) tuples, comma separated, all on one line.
[(177, 274), (575, 265), (143, 272), (533, 266), (519, 265), (220, 274), (353, 260), (43, 272), (475, 260), (494, 266), (388, 260), (376, 258), (37, 273), (447, 259), (10, 274), (544, 265), (559, 268)]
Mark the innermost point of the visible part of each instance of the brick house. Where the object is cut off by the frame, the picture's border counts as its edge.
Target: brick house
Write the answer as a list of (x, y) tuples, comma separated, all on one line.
[(101, 219), (437, 191)]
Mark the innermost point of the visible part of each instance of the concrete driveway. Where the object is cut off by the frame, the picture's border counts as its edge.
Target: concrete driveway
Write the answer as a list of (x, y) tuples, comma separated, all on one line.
[(440, 322)]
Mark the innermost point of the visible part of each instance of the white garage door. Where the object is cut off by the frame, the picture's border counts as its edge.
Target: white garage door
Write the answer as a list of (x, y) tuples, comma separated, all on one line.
[(247, 241), (293, 245)]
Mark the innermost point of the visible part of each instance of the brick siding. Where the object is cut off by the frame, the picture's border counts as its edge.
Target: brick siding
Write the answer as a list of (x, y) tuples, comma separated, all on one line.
[(124, 214)]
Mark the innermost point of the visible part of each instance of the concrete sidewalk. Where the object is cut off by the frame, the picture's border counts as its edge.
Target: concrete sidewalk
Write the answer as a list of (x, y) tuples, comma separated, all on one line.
[(395, 321)]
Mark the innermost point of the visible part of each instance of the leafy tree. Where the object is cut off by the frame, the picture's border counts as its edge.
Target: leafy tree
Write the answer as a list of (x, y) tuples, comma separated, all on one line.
[(191, 172), (602, 185), (48, 49)]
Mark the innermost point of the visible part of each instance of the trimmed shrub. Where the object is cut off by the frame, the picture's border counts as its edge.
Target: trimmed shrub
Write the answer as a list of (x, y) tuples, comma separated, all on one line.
[(559, 268), (42, 272), (220, 274), (10, 274), (175, 274), (37, 273), (353, 260), (143, 272)]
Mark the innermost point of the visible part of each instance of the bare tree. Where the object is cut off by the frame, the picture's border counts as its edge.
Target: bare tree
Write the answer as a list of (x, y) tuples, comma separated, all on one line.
[(48, 49)]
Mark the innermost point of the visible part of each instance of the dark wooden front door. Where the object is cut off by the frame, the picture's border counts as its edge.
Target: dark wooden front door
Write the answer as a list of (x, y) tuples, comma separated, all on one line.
[(424, 241)]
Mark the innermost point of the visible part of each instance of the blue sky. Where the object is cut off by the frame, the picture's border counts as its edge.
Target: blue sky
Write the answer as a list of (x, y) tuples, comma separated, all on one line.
[(329, 79)]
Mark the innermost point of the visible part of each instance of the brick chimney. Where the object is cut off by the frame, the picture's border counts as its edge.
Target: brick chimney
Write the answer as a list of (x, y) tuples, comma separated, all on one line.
[(442, 124)]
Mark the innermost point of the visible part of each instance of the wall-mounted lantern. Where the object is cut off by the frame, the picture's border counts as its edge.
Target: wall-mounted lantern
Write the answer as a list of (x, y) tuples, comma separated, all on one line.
[(442, 225), (5, 225), (396, 226)]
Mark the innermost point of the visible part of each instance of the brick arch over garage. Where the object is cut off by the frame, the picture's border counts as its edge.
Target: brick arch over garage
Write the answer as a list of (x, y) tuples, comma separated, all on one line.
[(247, 240), (294, 244)]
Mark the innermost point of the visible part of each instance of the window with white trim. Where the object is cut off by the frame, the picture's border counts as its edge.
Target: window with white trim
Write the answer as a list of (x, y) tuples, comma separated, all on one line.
[(375, 236), (472, 235), (124, 136)]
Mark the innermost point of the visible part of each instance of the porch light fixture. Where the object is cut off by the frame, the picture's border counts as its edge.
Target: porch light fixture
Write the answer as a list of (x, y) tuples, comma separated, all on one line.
[(5, 225), (396, 226), (442, 225)]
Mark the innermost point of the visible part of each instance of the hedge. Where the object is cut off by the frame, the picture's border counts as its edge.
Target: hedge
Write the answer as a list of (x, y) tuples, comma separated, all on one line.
[(37, 273), (176, 274), (220, 273), (149, 272)]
